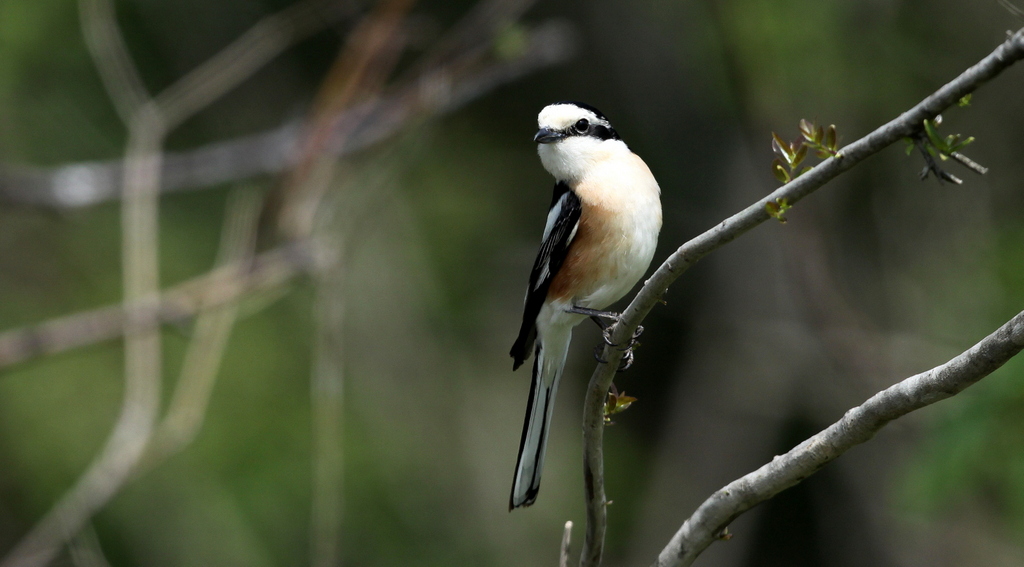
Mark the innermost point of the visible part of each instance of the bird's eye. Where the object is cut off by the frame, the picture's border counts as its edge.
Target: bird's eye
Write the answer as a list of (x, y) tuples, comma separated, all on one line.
[(582, 125)]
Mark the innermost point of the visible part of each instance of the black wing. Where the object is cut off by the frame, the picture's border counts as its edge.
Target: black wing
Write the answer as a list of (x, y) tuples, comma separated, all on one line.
[(566, 207)]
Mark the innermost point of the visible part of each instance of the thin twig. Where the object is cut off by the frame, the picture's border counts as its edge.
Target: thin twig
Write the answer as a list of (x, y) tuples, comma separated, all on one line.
[(133, 430), (969, 163), (264, 41), (109, 53), (327, 388), (857, 426), (143, 358), (274, 151), (187, 408), (1008, 53), (357, 76), (267, 271), (563, 556), (931, 166)]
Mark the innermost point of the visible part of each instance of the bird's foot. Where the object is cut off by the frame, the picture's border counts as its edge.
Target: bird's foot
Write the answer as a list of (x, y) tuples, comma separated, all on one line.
[(627, 356)]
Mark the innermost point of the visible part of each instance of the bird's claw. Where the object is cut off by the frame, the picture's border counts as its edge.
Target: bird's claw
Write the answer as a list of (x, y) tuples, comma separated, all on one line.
[(627, 352), (627, 356), (606, 334), (627, 360)]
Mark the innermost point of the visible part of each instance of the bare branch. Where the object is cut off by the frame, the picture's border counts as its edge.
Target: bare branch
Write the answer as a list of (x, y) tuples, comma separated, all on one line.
[(1008, 53), (563, 556), (326, 392), (110, 55), (143, 357), (268, 271), (434, 91), (264, 41), (187, 408), (358, 75), (857, 426)]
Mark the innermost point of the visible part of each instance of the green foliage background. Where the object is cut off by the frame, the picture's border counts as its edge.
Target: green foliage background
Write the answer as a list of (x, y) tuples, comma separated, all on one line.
[(875, 278)]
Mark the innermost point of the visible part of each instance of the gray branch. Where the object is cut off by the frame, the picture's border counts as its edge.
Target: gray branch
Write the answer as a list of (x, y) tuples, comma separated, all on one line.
[(857, 426), (179, 304), (436, 90), (1008, 53)]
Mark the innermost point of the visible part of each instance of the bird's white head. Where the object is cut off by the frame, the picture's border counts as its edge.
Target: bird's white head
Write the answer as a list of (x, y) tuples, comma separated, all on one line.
[(573, 137)]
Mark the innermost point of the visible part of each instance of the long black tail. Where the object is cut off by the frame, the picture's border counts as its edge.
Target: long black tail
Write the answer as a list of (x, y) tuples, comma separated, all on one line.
[(547, 369)]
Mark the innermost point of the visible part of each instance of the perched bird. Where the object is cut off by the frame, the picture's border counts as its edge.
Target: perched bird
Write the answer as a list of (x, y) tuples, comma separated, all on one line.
[(599, 239)]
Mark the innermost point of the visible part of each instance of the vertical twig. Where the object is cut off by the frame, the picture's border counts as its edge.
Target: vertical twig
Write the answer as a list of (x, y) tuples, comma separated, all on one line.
[(327, 402), (213, 325), (142, 351), (358, 75), (147, 127), (563, 557), (106, 47)]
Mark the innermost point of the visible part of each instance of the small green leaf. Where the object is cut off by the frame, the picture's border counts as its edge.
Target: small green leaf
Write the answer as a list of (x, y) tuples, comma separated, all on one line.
[(831, 138), (957, 147), (776, 209), (933, 136), (801, 153), (910, 145), (822, 154), (807, 130), (779, 171), (965, 100), (819, 134), (616, 403), (805, 169), (781, 148)]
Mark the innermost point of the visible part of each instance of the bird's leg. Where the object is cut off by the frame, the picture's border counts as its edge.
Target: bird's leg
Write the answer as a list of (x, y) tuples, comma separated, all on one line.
[(602, 319), (593, 313)]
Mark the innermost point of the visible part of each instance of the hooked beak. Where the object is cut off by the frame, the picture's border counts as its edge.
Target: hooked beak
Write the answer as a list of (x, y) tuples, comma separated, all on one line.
[(545, 136)]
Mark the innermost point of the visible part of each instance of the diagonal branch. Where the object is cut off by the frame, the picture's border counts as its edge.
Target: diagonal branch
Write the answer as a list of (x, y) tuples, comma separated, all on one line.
[(267, 39), (858, 425), (274, 151), (267, 271), (107, 48), (1008, 53)]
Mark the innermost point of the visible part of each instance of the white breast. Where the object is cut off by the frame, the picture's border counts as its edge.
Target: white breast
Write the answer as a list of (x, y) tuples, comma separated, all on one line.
[(626, 191)]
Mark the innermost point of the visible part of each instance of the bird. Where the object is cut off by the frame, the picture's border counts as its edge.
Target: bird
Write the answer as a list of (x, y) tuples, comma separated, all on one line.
[(599, 239)]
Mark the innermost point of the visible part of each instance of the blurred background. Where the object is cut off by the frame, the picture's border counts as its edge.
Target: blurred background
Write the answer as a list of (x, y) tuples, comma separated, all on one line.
[(362, 178)]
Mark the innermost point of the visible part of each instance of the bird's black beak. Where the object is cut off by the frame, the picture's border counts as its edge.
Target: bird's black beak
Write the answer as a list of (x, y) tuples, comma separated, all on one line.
[(545, 136)]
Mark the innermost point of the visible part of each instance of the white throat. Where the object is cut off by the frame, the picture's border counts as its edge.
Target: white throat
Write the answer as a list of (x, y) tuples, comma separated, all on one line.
[(571, 158)]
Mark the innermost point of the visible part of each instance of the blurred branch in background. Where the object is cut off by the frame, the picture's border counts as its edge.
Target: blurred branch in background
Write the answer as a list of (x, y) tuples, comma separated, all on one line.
[(1008, 53), (431, 91), (354, 110), (327, 387), (143, 359), (213, 324), (265, 272), (359, 73)]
